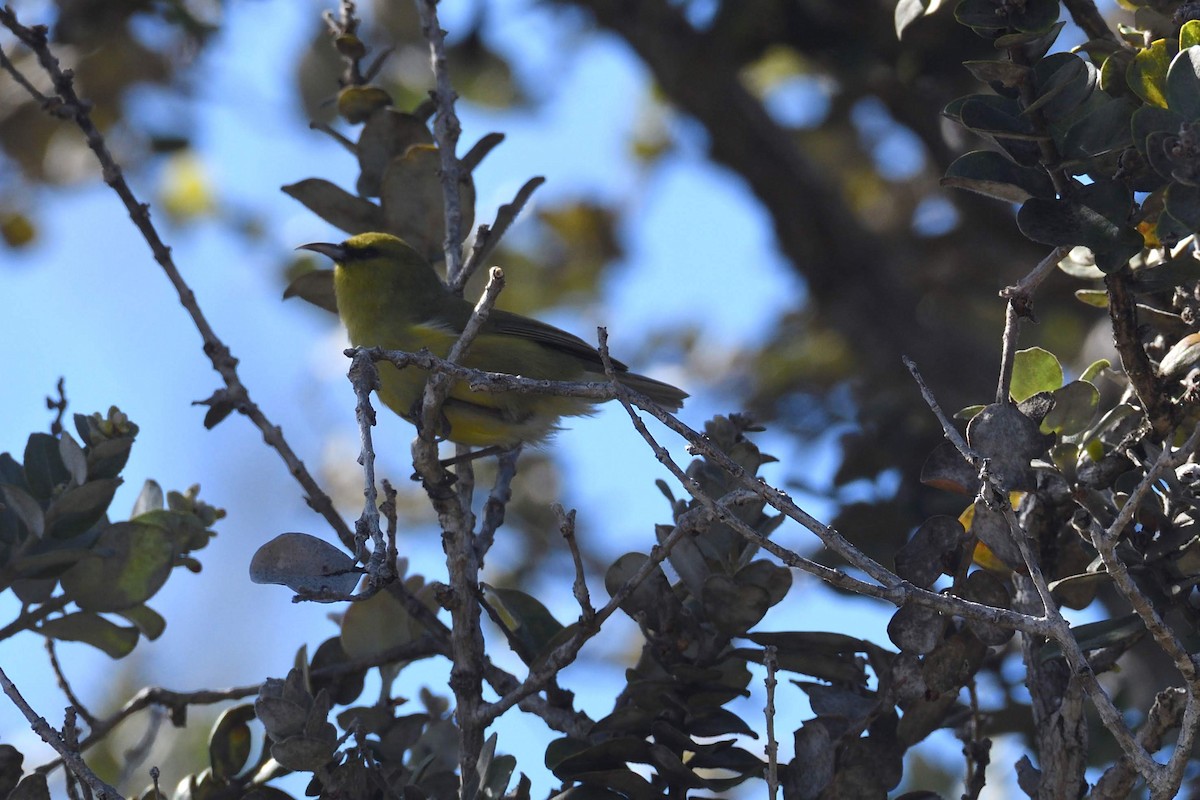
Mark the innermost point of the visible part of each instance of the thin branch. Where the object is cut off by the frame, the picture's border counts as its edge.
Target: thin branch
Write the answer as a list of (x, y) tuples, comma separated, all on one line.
[(771, 662), (1008, 356), (236, 393), (1022, 291), (446, 130), (365, 379), (486, 238), (65, 685), (495, 506), (1122, 311), (566, 526), (588, 625), (27, 619), (458, 541), (1091, 21), (45, 730), (1164, 716), (439, 384)]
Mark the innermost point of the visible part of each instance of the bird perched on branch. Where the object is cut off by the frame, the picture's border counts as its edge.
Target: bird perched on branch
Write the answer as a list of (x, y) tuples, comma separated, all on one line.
[(388, 296)]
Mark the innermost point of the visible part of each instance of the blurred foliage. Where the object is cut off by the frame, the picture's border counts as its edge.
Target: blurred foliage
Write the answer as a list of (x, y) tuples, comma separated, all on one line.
[(67, 562)]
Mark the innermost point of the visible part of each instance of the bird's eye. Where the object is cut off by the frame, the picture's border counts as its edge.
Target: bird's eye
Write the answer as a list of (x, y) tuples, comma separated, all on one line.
[(364, 253)]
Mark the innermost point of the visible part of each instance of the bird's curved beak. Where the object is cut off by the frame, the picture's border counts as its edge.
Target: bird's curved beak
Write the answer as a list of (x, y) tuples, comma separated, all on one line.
[(333, 251)]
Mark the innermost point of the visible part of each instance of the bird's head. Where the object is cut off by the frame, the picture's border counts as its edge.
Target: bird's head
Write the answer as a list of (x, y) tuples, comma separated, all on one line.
[(379, 269), (366, 248)]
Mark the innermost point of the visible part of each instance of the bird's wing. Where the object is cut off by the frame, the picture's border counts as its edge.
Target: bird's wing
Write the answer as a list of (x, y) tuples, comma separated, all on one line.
[(509, 324)]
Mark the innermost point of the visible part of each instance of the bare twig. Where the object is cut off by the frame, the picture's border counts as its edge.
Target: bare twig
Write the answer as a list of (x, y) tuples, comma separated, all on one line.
[(496, 504), (771, 662), (45, 730), (365, 379), (566, 526), (1021, 292), (1122, 311), (486, 238), (1012, 329), (1091, 22), (65, 685), (27, 619), (446, 130)]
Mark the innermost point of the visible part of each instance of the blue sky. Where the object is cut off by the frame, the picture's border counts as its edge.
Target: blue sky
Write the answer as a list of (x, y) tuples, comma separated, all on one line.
[(87, 302)]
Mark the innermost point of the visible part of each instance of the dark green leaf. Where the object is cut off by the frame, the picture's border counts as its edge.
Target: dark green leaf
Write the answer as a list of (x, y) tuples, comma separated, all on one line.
[(991, 174), (999, 116), (315, 286), (78, 509), (336, 206), (1070, 224), (1103, 129), (148, 621), (1183, 203), (93, 629), (229, 743), (1074, 409), (388, 133), (44, 468), (1183, 84), (1152, 119), (1062, 81), (527, 620)]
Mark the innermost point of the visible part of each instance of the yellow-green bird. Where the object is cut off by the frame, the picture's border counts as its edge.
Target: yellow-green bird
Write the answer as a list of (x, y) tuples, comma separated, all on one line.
[(388, 296)]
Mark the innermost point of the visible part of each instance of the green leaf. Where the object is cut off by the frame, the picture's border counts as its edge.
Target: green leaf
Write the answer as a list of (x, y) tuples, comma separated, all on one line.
[(1070, 224), (1181, 357), (1148, 120), (93, 629), (1104, 129), (1189, 34), (991, 174), (315, 286), (998, 116), (131, 562), (1183, 203), (1096, 367), (376, 625), (1062, 81), (1033, 44), (26, 509), (78, 509), (148, 621), (525, 618), (387, 134), (1147, 75), (1074, 409), (1034, 370), (229, 742), (1170, 230), (336, 206), (1006, 73), (44, 469), (1183, 84), (304, 564), (1097, 298)]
